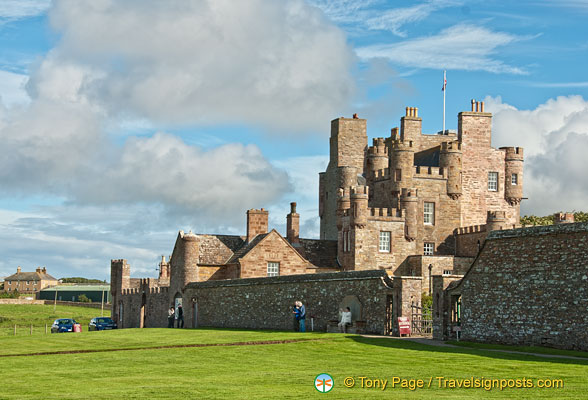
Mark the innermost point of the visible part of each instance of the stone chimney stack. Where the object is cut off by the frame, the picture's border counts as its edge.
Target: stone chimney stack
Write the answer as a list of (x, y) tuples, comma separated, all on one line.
[(293, 225), (44, 270), (38, 270), (257, 222), (18, 270)]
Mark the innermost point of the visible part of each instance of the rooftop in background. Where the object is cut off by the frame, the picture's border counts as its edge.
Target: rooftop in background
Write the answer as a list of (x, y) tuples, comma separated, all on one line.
[(76, 287)]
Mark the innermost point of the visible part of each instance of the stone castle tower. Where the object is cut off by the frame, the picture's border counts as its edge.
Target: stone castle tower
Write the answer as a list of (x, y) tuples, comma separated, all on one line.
[(408, 194)]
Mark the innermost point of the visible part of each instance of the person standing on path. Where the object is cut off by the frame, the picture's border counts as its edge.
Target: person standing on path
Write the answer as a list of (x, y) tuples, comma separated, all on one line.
[(180, 322), (301, 316), (170, 317)]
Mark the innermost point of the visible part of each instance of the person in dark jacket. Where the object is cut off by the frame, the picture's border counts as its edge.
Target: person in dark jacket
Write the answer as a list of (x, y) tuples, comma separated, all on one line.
[(180, 311), (300, 314)]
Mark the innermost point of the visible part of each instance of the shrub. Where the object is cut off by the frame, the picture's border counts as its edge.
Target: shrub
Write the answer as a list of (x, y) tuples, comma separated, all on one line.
[(82, 298)]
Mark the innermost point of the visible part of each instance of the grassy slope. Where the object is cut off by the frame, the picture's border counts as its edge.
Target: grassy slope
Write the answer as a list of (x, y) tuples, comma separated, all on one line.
[(23, 315), (260, 371)]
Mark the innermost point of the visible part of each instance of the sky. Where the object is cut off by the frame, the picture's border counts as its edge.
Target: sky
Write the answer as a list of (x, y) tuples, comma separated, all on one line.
[(123, 122)]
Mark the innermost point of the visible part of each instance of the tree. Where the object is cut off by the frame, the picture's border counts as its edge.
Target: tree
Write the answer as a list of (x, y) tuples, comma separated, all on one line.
[(82, 298), (533, 220)]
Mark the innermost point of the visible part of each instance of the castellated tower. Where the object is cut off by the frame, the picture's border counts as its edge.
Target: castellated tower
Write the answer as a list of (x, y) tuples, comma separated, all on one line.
[(410, 194), (348, 147), (120, 279), (184, 260)]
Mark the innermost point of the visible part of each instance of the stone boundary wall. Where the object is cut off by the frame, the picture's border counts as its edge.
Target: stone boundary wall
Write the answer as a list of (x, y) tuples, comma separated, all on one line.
[(107, 306), (21, 301), (529, 286), (266, 303)]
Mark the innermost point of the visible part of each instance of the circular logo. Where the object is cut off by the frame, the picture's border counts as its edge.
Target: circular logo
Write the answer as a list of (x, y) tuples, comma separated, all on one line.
[(324, 383)]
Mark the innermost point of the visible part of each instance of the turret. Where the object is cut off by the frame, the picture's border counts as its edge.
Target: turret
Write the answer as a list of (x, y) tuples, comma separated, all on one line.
[(343, 204), (346, 177), (409, 202), (191, 255), (513, 178), (411, 125), (401, 163), (163, 269), (377, 157), (496, 220), (359, 206), (450, 160)]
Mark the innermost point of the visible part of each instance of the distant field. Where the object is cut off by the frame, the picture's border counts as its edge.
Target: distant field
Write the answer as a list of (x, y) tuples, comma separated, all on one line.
[(251, 365), (25, 315)]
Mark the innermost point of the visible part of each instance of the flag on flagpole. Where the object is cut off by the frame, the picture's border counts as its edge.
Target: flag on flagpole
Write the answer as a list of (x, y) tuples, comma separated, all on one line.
[(444, 83)]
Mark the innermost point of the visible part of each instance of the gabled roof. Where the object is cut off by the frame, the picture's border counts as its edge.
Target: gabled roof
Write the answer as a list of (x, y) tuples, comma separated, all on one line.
[(428, 157), (242, 252), (30, 276), (218, 249)]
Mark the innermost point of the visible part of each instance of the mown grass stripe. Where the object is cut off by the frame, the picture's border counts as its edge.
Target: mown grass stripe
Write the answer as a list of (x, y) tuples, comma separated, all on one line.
[(173, 346)]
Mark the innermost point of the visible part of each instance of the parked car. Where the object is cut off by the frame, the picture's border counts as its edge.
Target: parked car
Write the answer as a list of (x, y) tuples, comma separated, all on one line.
[(101, 324), (65, 325)]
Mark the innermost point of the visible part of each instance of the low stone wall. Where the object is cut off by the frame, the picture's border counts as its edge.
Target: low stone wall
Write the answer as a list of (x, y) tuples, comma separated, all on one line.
[(76, 304), (266, 303), (21, 301), (529, 286)]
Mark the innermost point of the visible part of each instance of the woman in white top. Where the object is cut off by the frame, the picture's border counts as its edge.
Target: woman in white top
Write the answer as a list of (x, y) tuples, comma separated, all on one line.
[(345, 319)]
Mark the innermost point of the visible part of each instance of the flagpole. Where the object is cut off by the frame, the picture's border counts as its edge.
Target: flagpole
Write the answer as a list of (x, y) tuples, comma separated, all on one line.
[(444, 90)]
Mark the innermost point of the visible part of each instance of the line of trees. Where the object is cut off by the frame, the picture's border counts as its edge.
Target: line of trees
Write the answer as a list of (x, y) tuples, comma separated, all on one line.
[(81, 280), (532, 220)]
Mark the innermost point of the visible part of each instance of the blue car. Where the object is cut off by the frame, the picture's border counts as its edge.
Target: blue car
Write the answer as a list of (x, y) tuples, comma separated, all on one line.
[(64, 325), (101, 324)]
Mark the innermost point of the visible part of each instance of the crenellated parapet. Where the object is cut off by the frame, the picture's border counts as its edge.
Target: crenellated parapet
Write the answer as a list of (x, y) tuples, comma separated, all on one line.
[(429, 172), (496, 220), (386, 214), (401, 161)]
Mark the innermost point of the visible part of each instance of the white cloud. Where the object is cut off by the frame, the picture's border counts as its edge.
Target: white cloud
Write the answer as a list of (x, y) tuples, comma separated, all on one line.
[(461, 47), (12, 90), (377, 15), (23, 8), (260, 62), (555, 140)]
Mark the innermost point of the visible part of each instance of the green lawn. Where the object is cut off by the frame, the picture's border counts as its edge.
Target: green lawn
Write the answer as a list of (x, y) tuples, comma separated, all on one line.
[(266, 371), (524, 349), (25, 315)]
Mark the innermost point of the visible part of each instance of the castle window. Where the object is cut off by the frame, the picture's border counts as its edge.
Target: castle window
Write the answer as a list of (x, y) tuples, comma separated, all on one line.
[(428, 249), (493, 181), (385, 242), (429, 213), (514, 179), (398, 176), (447, 272), (273, 268)]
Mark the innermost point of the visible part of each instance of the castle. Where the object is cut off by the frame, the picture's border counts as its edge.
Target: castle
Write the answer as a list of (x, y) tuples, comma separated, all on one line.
[(412, 206)]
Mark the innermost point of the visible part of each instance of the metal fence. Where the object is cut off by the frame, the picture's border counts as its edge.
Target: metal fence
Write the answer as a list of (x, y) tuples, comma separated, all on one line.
[(421, 320)]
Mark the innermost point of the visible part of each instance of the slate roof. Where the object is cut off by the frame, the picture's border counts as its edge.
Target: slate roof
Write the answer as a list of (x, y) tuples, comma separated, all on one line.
[(30, 276), (218, 249), (321, 253), (228, 249), (427, 158)]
